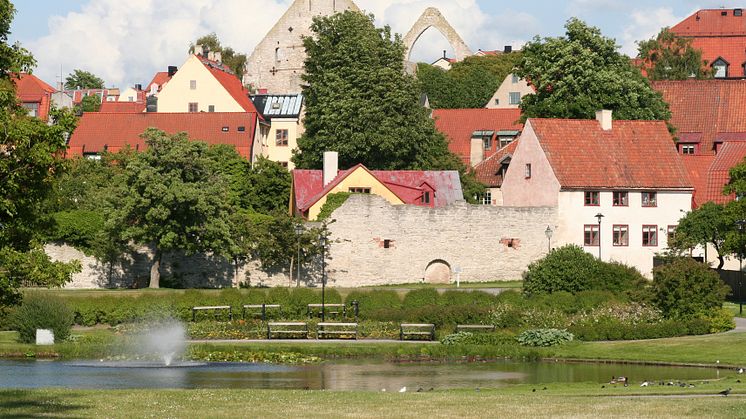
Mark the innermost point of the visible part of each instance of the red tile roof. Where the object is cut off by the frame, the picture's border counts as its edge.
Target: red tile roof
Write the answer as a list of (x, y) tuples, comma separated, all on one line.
[(31, 89), (698, 168), (113, 131), (160, 79), (717, 36), (731, 154), (632, 155), (705, 108), (488, 172), (458, 125), (122, 107), (230, 82)]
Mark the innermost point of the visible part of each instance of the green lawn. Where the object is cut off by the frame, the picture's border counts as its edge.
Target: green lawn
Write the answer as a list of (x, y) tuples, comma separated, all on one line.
[(735, 309)]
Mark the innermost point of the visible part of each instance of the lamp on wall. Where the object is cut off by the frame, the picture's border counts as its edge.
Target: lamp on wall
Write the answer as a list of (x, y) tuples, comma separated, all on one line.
[(599, 216), (548, 232)]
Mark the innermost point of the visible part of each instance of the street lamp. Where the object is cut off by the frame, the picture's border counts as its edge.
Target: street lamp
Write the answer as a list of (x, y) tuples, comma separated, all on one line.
[(741, 226), (298, 232), (322, 242), (548, 232), (599, 216)]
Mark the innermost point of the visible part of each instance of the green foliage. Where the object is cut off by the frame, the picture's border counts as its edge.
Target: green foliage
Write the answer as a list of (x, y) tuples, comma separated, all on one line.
[(234, 60), (720, 320), (686, 289), (270, 186), (40, 311), (91, 103), (459, 338), (670, 57), (469, 83), (371, 301), (582, 72), (80, 79), (707, 225), (78, 228), (544, 337), (422, 297), (361, 103), (333, 202)]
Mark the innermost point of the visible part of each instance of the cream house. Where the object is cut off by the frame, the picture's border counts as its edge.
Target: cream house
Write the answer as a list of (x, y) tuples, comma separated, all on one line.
[(284, 113), (619, 187), (510, 93)]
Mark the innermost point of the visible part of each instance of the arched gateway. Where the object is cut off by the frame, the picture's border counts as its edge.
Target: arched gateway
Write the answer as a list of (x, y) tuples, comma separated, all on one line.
[(432, 18)]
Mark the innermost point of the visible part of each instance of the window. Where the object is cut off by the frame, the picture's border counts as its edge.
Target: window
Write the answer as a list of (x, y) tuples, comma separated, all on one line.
[(211, 108), (621, 235), (32, 107), (241, 129), (649, 199), (226, 129), (505, 141), (687, 148), (671, 234), (281, 137), (621, 198), (487, 198), (650, 235), (359, 190), (591, 236), (386, 244), (737, 12), (515, 98), (284, 164), (193, 107), (527, 172), (720, 68), (130, 99), (497, 101), (426, 198), (487, 141), (193, 84), (592, 199), (515, 79)]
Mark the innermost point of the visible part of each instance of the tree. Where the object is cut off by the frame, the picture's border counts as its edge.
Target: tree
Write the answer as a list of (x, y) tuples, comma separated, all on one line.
[(90, 103), (685, 289), (234, 60), (80, 79), (360, 102), (30, 160), (171, 198), (670, 57), (582, 72), (270, 187), (707, 225)]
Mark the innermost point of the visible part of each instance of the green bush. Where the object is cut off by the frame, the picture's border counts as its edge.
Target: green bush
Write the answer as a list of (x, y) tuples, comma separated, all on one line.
[(448, 315), (721, 320), (459, 338), (40, 311), (461, 298), (421, 298), (687, 289), (370, 301), (618, 278), (569, 268), (544, 337)]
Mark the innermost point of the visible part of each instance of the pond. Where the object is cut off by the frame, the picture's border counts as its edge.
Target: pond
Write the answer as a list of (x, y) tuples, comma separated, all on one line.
[(347, 375)]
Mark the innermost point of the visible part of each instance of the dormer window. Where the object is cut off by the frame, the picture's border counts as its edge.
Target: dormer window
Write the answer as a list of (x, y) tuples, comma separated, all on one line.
[(720, 68), (737, 12)]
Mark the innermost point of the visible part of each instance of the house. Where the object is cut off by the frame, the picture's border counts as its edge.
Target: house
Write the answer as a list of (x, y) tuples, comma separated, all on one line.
[(311, 188), (104, 95), (159, 80), (132, 94), (510, 93), (705, 112), (619, 187), (721, 36), (491, 173), (444, 62), (98, 132), (284, 113), (34, 95), (477, 134)]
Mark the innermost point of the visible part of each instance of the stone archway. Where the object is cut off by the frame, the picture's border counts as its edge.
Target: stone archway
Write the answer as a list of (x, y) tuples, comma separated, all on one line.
[(432, 18), (438, 272)]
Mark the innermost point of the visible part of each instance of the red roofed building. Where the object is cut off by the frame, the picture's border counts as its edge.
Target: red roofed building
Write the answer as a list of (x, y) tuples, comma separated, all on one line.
[(705, 112), (491, 173), (98, 132), (721, 36), (159, 80), (310, 188), (710, 174), (627, 171), (34, 94), (477, 134), (122, 107)]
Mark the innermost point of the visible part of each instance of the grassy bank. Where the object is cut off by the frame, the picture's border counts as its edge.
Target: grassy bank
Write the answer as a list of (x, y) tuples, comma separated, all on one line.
[(521, 401)]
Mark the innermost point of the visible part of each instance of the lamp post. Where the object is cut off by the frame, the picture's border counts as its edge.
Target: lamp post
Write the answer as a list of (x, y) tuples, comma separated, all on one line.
[(548, 232), (599, 216), (322, 242), (298, 232), (741, 224)]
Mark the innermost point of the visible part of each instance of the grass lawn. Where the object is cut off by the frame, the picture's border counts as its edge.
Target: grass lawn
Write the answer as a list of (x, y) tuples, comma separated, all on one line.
[(584, 400), (735, 309)]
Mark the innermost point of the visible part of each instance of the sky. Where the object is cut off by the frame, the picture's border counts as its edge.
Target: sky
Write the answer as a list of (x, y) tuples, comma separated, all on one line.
[(127, 41)]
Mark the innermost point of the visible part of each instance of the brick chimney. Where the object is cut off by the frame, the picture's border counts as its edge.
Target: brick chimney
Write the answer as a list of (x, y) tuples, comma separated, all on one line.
[(604, 118), (331, 166)]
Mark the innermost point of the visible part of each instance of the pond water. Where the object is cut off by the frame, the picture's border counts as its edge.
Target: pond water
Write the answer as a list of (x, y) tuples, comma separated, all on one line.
[(349, 375)]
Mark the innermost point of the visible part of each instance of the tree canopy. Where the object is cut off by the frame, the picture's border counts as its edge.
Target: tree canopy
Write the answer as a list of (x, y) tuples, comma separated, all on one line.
[(669, 57), (707, 225), (234, 60), (80, 79), (582, 72)]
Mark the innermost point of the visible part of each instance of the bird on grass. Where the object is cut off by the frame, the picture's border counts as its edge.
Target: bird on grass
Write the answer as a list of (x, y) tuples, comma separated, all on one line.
[(645, 384), (403, 389), (725, 392), (740, 371)]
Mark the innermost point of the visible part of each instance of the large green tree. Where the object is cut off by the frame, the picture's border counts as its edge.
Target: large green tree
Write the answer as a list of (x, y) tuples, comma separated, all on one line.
[(81, 79), (582, 72), (709, 224), (231, 58), (361, 103), (670, 57), (171, 197), (29, 162)]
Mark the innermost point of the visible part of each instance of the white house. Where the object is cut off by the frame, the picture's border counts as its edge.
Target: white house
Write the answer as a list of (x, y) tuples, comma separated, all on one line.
[(628, 172), (510, 93)]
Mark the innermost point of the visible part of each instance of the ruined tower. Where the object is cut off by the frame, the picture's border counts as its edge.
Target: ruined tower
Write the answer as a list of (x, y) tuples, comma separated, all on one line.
[(277, 61)]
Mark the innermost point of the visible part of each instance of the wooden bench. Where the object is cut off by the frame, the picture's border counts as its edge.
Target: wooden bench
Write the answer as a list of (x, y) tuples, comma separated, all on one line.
[(475, 328), (417, 330), (296, 329), (262, 310), (336, 329), (216, 309), (337, 309)]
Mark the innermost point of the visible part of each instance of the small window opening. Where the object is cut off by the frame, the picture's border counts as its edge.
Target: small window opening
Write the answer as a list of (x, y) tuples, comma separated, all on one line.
[(225, 129), (387, 244)]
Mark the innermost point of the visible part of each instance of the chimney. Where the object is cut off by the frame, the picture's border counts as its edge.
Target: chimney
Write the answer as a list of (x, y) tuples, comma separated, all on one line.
[(444, 54), (331, 166), (508, 49), (477, 151), (604, 118), (172, 69), (217, 56), (138, 87)]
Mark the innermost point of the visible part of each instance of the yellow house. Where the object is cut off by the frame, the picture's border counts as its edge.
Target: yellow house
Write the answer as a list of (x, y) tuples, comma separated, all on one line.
[(284, 113)]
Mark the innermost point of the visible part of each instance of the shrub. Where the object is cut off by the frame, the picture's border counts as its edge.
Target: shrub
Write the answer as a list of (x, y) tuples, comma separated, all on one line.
[(448, 315), (421, 298), (505, 316), (618, 278), (459, 338), (460, 298), (687, 289), (371, 301), (39, 311), (544, 337), (721, 320), (568, 268)]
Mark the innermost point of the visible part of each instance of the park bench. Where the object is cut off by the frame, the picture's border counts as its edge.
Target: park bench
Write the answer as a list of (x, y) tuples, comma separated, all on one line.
[(475, 328), (331, 309), (336, 329), (258, 310), (417, 330), (215, 309), (291, 329)]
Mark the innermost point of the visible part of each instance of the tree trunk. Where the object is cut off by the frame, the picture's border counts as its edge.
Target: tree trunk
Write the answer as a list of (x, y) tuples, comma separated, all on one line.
[(155, 270)]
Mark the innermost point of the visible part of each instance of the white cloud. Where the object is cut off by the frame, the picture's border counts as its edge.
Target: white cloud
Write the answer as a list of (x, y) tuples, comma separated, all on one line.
[(645, 25)]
